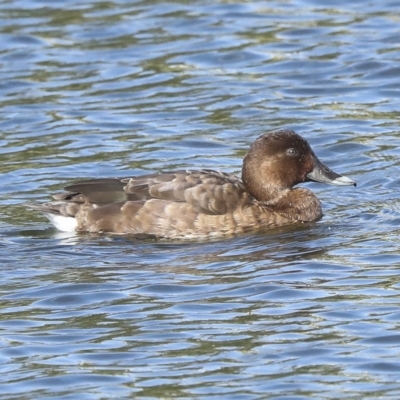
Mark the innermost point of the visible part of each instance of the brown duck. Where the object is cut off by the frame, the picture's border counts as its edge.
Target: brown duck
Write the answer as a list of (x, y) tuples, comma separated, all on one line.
[(204, 203)]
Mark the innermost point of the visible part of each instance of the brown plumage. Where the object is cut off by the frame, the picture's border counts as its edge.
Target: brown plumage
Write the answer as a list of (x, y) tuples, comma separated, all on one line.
[(205, 203)]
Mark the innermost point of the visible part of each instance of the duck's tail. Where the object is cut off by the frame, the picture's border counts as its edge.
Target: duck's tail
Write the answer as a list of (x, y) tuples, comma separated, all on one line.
[(60, 213)]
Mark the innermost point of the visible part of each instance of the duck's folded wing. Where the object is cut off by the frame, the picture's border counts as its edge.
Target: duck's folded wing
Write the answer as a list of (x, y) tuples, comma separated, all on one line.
[(96, 191), (208, 192)]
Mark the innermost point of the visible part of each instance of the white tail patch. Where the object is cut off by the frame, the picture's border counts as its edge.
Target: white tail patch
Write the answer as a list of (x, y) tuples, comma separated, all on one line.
[(63, 224)]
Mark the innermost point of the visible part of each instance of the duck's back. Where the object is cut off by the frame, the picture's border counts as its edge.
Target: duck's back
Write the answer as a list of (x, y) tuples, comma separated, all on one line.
[(179, 204)]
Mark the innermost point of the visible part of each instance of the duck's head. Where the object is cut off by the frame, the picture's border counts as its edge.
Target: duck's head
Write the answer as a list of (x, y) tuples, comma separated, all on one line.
[(281, 159)]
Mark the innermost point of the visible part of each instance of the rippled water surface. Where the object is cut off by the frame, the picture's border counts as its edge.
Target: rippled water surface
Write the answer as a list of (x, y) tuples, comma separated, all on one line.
[(103, 89)]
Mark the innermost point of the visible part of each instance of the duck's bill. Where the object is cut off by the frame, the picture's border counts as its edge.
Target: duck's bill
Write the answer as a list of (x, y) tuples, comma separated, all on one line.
[(321, 173)]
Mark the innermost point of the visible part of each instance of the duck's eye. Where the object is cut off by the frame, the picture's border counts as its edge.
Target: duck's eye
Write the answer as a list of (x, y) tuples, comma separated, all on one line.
[(292, 152)]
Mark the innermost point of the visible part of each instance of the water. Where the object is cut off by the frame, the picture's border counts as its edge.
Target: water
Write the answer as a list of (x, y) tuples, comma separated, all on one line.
[(104, 89)]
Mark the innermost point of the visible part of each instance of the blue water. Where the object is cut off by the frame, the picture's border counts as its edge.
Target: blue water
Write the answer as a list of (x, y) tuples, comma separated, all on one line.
[(119, 88)]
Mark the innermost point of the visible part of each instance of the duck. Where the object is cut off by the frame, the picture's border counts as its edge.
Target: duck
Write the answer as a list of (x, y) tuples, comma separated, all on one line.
[(203, 203)]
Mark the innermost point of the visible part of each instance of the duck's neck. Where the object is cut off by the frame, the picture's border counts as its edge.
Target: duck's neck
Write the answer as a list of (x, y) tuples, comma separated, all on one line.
[(298, 204), (263, 190)]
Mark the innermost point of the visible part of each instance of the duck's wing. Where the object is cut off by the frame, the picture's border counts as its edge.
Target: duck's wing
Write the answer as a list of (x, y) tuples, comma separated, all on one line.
[(209, 192)]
